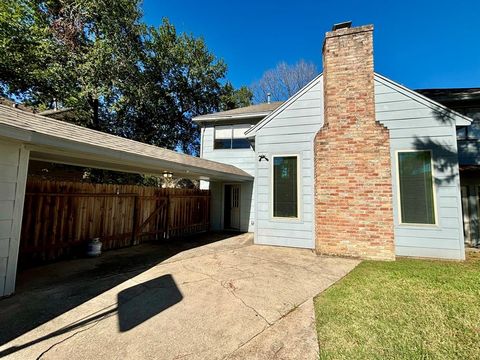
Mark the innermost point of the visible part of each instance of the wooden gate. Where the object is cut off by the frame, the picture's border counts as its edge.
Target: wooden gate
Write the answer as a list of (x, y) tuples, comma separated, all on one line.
[(60, 217)]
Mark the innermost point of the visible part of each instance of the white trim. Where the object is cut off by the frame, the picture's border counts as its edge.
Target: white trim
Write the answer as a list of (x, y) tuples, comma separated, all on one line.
[(231, 117), (466, 213), (399, 198), (460, 120), (299, 216), (253, 130), (13, 250), (222, 217), (232, 137), (477, 203), (54, 136)]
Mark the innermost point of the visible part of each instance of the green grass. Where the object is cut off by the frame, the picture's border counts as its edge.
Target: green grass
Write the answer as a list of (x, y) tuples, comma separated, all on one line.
[(406, 309)]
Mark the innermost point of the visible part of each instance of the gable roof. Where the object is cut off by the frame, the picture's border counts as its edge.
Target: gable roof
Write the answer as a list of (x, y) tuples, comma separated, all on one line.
[(460, 120), (253, 130), (59, 141), (448, 95), (252, 111)]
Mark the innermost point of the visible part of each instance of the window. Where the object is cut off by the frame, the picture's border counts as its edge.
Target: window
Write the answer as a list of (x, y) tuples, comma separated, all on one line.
[(285, 187), (416, 187), (471, 132), (231, 137)]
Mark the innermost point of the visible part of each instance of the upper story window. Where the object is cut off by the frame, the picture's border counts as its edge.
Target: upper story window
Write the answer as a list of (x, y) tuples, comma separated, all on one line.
[(471, 132), (231, 137)]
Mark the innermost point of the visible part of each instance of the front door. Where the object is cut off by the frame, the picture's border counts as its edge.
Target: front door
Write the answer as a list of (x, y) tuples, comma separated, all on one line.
[(235, 207), (232, 207)]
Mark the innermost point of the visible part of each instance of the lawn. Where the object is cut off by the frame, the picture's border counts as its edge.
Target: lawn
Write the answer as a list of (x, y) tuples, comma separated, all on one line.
[(406, 309)]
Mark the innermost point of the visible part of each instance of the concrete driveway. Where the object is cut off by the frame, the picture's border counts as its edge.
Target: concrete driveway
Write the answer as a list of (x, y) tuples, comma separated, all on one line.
[(225, 300)]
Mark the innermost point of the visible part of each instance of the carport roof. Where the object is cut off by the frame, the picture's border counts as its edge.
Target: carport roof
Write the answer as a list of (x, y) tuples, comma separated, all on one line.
[(58, 141)]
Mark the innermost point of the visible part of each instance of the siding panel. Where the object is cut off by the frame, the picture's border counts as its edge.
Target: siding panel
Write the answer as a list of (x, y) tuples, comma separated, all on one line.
[(291, 132), (13, 167), (414, 126), (243, 159)]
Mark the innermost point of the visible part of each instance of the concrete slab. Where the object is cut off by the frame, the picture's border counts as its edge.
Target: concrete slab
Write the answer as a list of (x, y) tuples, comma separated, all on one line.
[(292, 337), (228, 299)]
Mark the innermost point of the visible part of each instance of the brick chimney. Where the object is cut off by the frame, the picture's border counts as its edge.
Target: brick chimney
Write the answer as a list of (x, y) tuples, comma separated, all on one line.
[(353, 184)]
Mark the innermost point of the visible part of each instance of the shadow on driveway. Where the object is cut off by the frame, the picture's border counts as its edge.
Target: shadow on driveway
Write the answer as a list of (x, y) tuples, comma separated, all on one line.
[(45, 292), (134, 306)]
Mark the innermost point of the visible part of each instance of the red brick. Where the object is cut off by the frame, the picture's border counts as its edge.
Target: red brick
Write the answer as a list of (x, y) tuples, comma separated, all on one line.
[(353, 190)]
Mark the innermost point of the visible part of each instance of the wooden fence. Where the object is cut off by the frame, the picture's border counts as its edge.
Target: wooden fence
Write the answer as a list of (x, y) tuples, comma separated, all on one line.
[(60, 217)]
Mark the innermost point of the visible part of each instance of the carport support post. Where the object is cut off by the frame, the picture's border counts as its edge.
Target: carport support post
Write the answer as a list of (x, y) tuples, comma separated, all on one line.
[(17, 194)]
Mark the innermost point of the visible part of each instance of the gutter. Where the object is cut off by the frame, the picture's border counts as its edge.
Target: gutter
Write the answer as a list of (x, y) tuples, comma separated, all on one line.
[(205, 118)]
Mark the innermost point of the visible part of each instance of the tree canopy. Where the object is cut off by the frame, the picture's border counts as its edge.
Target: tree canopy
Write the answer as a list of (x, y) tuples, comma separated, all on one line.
[(116, 73)]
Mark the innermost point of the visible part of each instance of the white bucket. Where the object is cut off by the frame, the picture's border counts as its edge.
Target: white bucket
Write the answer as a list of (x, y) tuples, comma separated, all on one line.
[(94, 247)]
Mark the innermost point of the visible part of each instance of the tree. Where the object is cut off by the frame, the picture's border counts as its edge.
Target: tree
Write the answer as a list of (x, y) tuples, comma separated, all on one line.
[(73, 52), (180, 78), (283, 81), (234, 98), (118, 75)]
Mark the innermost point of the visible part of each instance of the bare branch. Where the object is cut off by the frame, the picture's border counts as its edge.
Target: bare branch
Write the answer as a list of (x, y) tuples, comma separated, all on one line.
[(283, 81)]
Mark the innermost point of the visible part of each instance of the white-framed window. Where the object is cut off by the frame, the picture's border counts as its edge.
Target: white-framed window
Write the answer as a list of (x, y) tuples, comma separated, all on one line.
[(285, 186), (231, 137), (416, 187)]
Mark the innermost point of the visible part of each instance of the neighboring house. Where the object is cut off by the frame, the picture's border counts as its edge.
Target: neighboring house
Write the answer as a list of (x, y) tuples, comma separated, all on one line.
[(467, 102), (354, 164)]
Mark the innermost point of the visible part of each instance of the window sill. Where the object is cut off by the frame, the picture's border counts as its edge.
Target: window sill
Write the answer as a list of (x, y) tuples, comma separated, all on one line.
[(419, 226), (286, 220)]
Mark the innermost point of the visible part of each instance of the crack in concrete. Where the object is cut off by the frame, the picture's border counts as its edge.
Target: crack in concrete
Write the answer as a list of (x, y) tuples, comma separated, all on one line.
[(222, 284), (226, 284), (276, 352), (248, 306), (246, 342), (265, 328), (106, 316), (72, 335)]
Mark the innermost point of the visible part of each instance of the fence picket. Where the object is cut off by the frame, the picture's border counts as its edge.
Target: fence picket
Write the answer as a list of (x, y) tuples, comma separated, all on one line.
[(61, 217)]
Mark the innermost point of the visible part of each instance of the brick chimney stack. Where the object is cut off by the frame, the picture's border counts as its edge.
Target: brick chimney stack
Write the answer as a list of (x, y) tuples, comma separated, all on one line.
[(353, 184)]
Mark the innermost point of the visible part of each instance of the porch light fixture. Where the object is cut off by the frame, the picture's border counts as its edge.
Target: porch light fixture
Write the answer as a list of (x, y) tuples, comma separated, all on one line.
[(167, 175)]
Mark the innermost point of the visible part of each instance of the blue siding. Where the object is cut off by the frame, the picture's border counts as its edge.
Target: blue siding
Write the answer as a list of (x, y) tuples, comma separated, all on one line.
[(241, 158), (412, 124), (415, 126), (291, 132)]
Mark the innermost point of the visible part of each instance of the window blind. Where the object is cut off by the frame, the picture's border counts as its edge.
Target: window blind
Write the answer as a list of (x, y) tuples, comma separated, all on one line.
[(285, 199), (416, 187)]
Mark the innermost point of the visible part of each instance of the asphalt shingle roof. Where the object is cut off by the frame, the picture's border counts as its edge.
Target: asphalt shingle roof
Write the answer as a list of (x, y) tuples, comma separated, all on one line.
[(37, 124), (260, 109)]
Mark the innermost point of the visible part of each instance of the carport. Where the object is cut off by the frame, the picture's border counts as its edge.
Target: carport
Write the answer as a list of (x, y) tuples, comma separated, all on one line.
[(25, 136)]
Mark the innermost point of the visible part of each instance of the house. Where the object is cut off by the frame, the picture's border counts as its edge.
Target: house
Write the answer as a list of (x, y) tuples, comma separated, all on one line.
[(467, 102), (354, 164)]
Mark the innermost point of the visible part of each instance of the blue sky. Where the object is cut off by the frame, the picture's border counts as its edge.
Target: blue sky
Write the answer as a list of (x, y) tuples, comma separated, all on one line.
[(421, 44)]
